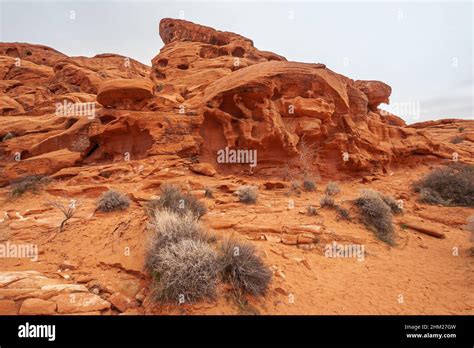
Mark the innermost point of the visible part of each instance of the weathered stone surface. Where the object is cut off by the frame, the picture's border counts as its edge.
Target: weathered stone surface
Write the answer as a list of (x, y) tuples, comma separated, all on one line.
[(203, 168), (80, 302), (35, 306), (121, 302), (123, 93), (8, 307)]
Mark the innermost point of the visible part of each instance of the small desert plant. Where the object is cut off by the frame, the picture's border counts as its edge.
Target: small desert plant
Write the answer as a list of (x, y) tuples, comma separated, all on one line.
[(307, 153), (243, 268), (209, 192), (452, 185), (185, 271), (247, 194), (311, 210), (332, 189), (376, 214), (309, 185), (173, 199), (30, 183), (392, 203), (327, 202), (8, 136), (68, 211), (457, 139), (113, 201), (343, 213), (168, 227)]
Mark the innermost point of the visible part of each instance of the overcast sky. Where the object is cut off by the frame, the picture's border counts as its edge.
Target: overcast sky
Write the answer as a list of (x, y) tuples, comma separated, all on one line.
[(423, 50)]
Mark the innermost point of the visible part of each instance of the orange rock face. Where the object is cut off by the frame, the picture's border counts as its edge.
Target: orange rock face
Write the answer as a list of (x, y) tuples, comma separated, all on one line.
[(206, 91)]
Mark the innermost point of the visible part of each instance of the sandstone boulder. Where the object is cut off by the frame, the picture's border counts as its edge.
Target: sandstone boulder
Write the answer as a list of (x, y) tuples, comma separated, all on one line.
[(80, 302), (125, 93), (35, 306), (376, 91), (203, 168)]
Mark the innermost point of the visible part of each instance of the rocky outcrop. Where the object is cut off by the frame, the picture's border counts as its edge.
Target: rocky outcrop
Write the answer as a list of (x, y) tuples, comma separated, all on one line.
[(377, 92), (207, 90), (34, 293), (125, 93)]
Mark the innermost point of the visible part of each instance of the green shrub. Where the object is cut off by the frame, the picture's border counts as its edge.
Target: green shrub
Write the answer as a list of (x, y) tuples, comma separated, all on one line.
[(247, 194), (113, 201), (243, 268), (173, 199), (376, 214), (451, 186)]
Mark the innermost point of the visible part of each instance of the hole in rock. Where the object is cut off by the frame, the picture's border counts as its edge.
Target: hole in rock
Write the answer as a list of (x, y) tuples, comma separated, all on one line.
[(107, 119), (163, 62), (93, 149), (238, 52)]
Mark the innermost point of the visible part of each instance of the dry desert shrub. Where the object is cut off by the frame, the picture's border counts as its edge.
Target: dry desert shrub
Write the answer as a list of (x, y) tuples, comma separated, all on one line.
[(376, 214), (343, 213), (113, 201), (30, 183), (451, 186), (68, 210), (173, 199), (243, 268), (185, 271), (170, 228), (311, 210), (332, 188), (327, 202), (247, 194), (309, 185), (392, 203)]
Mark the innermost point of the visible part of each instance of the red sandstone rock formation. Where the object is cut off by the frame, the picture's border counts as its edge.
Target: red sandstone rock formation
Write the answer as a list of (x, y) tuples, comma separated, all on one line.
[(206, 90)]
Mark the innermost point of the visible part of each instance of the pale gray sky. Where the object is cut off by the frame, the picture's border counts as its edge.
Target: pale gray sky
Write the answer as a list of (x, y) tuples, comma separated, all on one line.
[(424, 50)]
